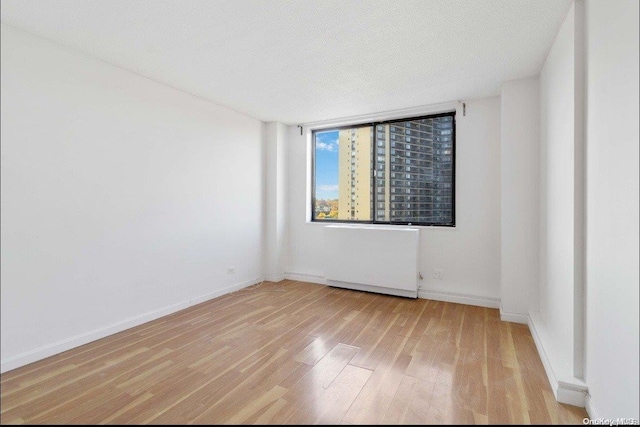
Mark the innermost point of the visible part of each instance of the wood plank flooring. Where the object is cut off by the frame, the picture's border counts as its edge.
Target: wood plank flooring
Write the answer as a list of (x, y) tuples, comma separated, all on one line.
[(296, 353)]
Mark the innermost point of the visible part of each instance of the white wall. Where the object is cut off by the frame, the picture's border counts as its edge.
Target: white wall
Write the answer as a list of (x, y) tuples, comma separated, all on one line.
[(557, 144), (612, 208), (519, 160), (122, 199), (469, 254)]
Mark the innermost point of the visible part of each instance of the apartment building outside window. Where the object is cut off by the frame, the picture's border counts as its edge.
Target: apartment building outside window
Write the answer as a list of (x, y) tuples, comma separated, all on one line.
[(394, 172)]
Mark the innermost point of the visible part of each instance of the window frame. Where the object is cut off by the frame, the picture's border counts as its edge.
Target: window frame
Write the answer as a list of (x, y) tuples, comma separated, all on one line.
[(374, 186)]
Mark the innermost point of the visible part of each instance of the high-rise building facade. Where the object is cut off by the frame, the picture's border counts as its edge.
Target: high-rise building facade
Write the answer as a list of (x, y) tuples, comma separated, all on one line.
[(413, 168), (354, 175), (414, 171)]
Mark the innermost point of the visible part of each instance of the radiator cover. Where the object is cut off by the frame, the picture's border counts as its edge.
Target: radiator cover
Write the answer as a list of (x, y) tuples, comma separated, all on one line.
[(379, 259)]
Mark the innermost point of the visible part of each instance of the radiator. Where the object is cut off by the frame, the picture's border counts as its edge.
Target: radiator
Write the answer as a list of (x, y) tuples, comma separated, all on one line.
[(372, 258)]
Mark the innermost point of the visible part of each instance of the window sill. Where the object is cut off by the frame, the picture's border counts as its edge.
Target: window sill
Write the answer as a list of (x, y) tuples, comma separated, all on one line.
[(379, 226)]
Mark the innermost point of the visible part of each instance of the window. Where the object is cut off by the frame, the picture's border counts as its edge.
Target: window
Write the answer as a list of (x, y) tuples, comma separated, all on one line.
[(420, 171)]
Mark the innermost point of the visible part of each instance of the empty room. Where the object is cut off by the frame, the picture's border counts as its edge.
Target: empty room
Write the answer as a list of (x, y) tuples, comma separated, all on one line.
[(319, 212)]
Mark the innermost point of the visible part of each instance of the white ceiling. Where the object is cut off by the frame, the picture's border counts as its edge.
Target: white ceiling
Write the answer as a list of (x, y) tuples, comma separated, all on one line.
[(298, 61)]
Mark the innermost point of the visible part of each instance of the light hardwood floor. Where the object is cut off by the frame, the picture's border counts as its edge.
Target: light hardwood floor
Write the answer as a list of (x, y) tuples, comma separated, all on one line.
[(294, 353)]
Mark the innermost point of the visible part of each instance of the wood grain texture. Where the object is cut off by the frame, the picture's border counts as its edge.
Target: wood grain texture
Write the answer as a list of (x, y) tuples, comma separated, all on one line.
[(296, 353)]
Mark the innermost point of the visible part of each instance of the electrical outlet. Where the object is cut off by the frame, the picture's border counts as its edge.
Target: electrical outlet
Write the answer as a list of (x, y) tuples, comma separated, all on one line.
[(231, 270), (437, 273)]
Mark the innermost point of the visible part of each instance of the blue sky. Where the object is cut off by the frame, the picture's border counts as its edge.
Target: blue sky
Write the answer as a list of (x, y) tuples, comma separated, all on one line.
[(326, 164)]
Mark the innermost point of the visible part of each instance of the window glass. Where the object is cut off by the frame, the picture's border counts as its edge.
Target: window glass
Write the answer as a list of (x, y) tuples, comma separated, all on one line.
[(350, 165)]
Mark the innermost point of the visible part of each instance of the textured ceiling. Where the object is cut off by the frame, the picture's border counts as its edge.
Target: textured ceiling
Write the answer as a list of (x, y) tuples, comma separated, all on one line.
[(298, 61)]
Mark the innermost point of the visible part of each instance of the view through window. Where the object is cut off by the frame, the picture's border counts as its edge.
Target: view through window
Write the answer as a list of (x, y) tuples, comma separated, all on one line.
[(396, 172)]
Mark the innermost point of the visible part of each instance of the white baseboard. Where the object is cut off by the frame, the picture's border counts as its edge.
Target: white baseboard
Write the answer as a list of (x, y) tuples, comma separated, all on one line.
[(572, 392), (476, 300), (277, 278), (593, 413), (48, 350), (505, 316), (303, 277), (543, 357), (43, 352), (375, 289), (424, 294), (224, 291)]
